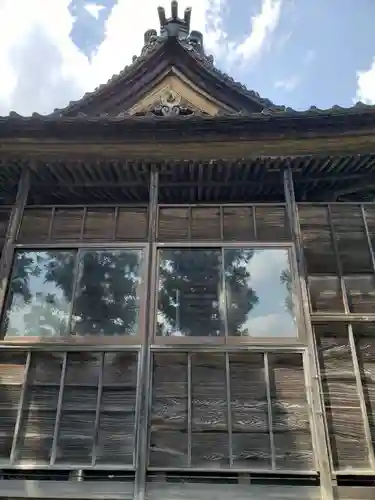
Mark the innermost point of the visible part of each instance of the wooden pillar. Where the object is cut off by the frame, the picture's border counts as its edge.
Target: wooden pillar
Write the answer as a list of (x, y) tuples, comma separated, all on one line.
[(146, 360), (321, 437), (12, 233)]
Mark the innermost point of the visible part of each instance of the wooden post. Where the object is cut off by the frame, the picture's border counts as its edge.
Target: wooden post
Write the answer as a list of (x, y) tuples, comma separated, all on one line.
[(321, 441), (12, 233), (144, 384)]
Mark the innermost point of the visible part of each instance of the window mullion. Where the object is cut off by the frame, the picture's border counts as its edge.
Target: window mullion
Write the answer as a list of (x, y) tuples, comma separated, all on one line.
[(74, 288)]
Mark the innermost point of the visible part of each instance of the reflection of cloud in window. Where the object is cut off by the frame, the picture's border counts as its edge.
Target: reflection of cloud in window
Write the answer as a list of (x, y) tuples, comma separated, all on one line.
[(46, 313), (269, 317)]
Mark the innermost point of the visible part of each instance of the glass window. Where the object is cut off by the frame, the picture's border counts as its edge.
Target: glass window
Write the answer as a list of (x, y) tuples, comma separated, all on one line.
[(40, 294), (232, 291), (106, 301), (106, 293), (259, 292), (190, 293)]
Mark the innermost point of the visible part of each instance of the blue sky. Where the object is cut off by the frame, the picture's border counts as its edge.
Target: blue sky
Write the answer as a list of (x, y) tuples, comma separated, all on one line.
[(295, 52)]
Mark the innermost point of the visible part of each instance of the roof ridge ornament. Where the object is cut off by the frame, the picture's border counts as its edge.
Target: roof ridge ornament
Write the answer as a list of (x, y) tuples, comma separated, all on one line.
[(176, 28)]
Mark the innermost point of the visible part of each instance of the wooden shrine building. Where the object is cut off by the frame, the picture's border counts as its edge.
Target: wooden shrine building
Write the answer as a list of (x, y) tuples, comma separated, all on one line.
[(187, 290)]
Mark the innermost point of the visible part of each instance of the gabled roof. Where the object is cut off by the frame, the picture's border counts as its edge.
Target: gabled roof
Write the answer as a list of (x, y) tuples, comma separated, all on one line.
[(176, 50), (174, 76)]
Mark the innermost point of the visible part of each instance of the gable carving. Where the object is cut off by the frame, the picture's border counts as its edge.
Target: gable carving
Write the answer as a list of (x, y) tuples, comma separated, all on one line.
[(175, 95), (169, 103)]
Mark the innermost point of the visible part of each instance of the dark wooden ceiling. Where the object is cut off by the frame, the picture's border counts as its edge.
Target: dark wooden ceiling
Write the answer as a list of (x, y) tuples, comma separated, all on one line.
[(315, 178)]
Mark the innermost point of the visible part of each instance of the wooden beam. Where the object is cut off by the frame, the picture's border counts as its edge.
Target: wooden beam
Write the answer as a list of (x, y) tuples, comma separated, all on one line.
[(12, 233), (321, 441), (90, 490), (145, 372), (153, 151)]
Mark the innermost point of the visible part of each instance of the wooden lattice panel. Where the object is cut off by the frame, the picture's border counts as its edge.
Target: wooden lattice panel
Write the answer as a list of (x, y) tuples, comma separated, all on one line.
[(234, 410), (266, 223), (68, 409), (84, 224)]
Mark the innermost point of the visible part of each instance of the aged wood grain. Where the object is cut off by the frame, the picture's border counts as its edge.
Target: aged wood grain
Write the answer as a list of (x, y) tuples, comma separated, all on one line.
[(214, 491), (251, 450), (317, 239), (344, 418), (204, 223), (95, 490), (75, 438), (326, 294), (169, 448), (82, 369), (45, 368), (361, 293), (290, 417), (169, 414), (100, 224), (350, 234)]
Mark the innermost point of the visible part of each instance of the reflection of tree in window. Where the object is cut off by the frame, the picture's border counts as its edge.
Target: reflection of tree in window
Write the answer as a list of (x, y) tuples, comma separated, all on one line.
[(241, 291), (286, 279), (106, 298), (37, 303), (191, 291)]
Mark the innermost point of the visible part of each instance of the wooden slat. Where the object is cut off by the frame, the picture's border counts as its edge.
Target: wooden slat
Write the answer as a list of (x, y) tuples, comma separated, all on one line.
[(205, 223), (169, 439), (361, 293), (292, 435), (67, 224), (35, 226), (351, 238), (222, 491), (173, 224), (132, 224), (99, 224), (96, 490), (344, 417), (238, 224), (317, 240), (271, 223), (326, 294), (251, 432)]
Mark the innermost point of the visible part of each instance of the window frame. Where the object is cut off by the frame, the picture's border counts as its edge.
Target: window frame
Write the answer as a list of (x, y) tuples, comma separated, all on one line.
[(89, 339), (299, 339)]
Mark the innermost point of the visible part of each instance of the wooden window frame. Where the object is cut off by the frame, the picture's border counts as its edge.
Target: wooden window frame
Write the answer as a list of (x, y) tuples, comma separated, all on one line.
[(298, 340), (87, 340)]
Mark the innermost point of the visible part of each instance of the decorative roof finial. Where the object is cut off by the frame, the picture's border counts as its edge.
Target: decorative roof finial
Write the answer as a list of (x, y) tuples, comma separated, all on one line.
[(174, 26), (177, 28)]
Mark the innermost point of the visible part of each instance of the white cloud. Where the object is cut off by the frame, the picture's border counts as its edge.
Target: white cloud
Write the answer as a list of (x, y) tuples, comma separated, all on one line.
[(366, 85), (262, 27), (288, 85), (94, 9), (42, 69)]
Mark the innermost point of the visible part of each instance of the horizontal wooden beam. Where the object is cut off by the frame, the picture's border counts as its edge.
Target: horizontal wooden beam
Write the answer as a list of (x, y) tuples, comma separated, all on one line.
[(95, 490), (187, 150)]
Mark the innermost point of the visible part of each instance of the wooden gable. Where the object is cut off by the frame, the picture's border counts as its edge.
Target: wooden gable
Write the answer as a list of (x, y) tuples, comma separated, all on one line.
[(176, 94)]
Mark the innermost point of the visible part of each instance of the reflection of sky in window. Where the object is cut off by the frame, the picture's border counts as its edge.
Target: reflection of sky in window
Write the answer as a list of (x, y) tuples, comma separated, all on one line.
[(269, 317), (47, 301)]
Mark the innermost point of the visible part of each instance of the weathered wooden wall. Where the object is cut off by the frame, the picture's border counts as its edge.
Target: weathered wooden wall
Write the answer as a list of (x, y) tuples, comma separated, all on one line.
[(243, 409)]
